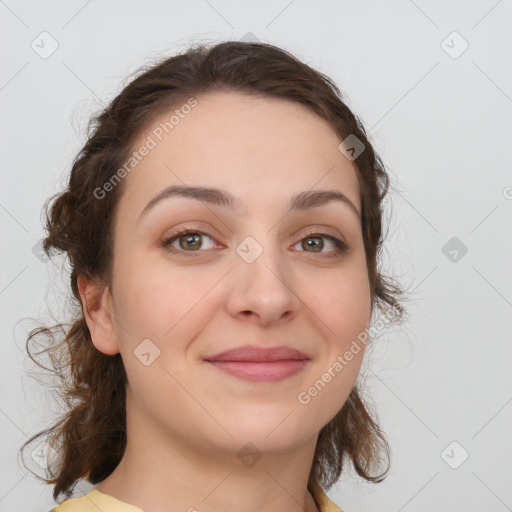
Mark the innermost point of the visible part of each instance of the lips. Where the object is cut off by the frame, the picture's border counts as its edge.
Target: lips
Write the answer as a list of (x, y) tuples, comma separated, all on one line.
[(260, 364), (252, 353)]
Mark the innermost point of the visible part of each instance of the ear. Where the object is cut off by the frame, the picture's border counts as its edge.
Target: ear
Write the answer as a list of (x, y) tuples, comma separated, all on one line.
[(97, 309)]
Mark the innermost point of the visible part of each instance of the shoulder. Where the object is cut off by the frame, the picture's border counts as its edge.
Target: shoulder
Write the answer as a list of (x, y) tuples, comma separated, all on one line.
[(325, 503), (81, 504), (95, 501)]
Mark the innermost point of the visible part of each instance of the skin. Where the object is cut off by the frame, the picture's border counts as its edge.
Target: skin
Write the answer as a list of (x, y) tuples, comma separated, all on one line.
[(187, 420)]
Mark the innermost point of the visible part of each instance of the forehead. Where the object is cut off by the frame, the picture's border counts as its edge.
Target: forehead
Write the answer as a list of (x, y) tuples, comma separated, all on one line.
[(259, 148)]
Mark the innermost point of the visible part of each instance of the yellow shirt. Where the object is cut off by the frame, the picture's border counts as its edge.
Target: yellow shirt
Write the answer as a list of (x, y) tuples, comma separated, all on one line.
[(96, 501)]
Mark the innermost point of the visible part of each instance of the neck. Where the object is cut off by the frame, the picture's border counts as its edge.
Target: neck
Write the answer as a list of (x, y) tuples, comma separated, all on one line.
[(155, 482), (159, 471)]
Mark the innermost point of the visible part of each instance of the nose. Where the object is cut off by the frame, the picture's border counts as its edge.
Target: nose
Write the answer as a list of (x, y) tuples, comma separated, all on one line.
[(262, 291)]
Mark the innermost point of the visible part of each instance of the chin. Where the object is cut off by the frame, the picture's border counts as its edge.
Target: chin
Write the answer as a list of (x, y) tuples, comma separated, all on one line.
[(271, 432)]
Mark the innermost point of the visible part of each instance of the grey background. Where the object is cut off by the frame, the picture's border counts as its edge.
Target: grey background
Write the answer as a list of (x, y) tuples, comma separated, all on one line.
[(442, 122)]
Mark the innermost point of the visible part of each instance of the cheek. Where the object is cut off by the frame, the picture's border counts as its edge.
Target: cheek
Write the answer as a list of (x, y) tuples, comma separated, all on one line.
[(341, 308), (340, 300), (163, 302)]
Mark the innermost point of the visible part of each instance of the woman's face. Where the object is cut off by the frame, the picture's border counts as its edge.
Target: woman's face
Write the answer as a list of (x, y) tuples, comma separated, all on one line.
[(256, 273)]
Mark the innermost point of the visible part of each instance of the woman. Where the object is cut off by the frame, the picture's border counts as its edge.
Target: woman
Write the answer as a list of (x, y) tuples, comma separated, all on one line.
[(222, 223)]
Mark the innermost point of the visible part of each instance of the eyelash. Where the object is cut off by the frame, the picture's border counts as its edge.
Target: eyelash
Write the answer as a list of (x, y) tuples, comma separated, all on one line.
[(341, 247)]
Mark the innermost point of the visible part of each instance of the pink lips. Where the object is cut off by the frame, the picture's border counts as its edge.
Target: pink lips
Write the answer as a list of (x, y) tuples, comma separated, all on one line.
[(258, 364)]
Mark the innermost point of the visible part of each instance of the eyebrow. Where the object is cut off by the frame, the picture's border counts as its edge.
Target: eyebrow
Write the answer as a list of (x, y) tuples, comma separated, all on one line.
[(306, 200)]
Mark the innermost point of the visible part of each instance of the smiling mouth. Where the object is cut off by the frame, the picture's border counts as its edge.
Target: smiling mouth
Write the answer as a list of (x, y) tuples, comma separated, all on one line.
[(262, 371)]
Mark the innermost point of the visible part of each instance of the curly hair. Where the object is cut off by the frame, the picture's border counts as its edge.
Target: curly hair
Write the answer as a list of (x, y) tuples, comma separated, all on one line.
[(89, 437)]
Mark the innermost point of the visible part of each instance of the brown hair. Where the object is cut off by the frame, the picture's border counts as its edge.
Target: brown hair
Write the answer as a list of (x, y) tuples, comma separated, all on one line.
[(90, 437)]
